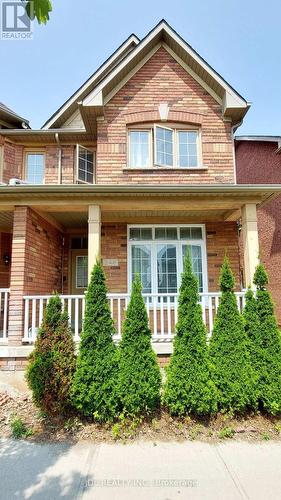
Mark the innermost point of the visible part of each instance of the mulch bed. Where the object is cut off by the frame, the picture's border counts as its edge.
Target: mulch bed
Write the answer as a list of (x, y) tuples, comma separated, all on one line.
[(160, 427)]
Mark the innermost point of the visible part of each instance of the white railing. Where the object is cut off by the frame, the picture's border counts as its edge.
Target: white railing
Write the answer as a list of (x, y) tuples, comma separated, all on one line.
[(4, 301), (162, 311)]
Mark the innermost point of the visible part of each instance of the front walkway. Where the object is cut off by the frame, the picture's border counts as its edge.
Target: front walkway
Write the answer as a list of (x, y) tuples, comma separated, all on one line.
[(143, 470)]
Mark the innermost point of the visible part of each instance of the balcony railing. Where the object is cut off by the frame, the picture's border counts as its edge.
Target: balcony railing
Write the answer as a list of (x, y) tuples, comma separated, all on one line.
[(162, 311), (4, 301)]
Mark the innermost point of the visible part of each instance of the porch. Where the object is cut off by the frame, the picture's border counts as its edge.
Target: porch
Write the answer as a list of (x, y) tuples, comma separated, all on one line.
[(56, 234)]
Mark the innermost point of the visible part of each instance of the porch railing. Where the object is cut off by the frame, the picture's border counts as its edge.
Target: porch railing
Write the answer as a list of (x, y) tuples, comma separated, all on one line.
[(4, 301), (162, 311)]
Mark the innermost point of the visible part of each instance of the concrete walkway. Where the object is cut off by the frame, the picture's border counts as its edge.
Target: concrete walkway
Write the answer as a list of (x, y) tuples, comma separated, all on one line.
[(166, 471)]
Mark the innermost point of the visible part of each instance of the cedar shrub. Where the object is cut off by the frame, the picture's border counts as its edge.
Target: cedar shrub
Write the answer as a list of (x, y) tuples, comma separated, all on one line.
[(139, 378), (94, 384), (189, 388), (252, 329), (229, 351), (270, 346), (52, 363)]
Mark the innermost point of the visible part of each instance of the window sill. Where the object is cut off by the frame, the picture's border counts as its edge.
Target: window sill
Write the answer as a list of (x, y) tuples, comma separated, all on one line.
[(166, 169)]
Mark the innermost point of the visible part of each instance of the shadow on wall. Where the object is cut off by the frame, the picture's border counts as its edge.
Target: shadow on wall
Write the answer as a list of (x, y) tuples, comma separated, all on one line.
[(42, 471)]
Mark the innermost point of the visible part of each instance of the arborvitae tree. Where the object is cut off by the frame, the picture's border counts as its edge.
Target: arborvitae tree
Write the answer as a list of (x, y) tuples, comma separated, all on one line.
[(52, 363), (252, 329), (229, 350), (189, 387), (93, 389), (139, 377), (270, 359)]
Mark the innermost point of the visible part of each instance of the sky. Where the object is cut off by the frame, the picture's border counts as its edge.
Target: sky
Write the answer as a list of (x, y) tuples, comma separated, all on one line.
[(241, 39)]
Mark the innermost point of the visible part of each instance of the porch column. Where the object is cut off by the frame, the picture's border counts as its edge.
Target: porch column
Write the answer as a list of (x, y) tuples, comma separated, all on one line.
[(250, 241), (18, 276), (94, 236)]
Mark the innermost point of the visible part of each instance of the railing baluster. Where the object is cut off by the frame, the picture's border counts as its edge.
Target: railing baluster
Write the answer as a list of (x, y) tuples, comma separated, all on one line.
[(169, 316), (76, 319), (119, 317), (5, 315), (41, 303), (162, 315), (33, 322), (155, 325), (26, 318), (210, 314)]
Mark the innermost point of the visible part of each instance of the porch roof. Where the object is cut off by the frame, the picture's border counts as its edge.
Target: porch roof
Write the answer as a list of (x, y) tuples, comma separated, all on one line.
[(67, 205)]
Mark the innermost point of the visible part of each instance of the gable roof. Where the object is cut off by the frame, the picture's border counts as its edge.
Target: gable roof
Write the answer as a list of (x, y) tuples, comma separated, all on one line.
[(110, 76)]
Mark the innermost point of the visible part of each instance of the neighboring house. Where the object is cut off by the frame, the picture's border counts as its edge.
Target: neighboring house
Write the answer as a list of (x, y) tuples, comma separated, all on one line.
[(258, 161), (136, 167), (10, 119)]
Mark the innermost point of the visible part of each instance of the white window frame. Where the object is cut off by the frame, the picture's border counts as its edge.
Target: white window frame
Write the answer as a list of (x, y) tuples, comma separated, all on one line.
[(155, 147), (34, 152), (153, 164), (198, 147), (150, 146), (80, 181), (76, 268), (179, 243)]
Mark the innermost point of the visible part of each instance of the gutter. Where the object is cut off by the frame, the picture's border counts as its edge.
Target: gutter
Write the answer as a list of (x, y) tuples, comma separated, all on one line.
[(139, 189)]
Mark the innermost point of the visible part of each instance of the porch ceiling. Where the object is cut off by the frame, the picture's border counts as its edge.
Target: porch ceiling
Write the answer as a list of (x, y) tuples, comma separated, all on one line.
[(6, 221)]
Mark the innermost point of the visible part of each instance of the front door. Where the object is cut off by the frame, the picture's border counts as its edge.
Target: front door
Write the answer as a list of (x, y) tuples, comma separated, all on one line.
[(79, 271)]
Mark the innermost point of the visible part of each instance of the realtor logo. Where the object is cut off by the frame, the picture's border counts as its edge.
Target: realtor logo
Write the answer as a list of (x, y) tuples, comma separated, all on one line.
[(15, 23)]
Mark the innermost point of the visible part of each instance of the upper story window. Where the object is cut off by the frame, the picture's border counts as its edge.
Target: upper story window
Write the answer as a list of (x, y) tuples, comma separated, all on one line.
[(164, 147), (85, 165), (35, 168)]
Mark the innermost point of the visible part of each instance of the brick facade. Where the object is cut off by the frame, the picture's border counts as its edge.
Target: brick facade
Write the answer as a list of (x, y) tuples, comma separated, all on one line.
[(162, 79), (13, 160), (36, 264), (258, 163)]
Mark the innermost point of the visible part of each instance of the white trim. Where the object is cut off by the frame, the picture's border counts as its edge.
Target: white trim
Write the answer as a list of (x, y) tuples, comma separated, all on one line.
[(153, 242), (150, 146), (153, 164), (34, 151), (78, 146), (155, 145)]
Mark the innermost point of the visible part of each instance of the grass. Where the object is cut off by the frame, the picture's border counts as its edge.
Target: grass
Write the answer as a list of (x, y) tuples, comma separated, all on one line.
[(19, 429), (226, 433)]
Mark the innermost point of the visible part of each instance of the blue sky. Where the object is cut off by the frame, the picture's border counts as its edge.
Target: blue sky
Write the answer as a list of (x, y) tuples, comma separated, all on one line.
[(241, 39)]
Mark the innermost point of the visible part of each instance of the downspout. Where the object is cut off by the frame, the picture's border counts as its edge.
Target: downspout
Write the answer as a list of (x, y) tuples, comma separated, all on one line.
[(59, 157), (233, 129)]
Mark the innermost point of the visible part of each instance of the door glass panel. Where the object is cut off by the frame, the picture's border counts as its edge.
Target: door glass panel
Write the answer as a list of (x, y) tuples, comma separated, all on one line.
[(167, 268), (141, 264), (196, 260), (81, 271)]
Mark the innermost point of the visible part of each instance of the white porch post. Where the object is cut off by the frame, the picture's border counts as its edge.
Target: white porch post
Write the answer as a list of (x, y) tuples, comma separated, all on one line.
[(94, 236), (250, 241)]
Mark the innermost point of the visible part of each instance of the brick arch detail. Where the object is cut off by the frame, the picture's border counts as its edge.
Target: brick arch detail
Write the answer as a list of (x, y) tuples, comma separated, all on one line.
[(174, 115)]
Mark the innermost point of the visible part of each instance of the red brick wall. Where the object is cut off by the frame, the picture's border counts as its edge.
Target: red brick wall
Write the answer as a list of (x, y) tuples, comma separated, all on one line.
[(43, 256), (36, 264), (162, 79), (12, 161), (5, 249), (258, 163)]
